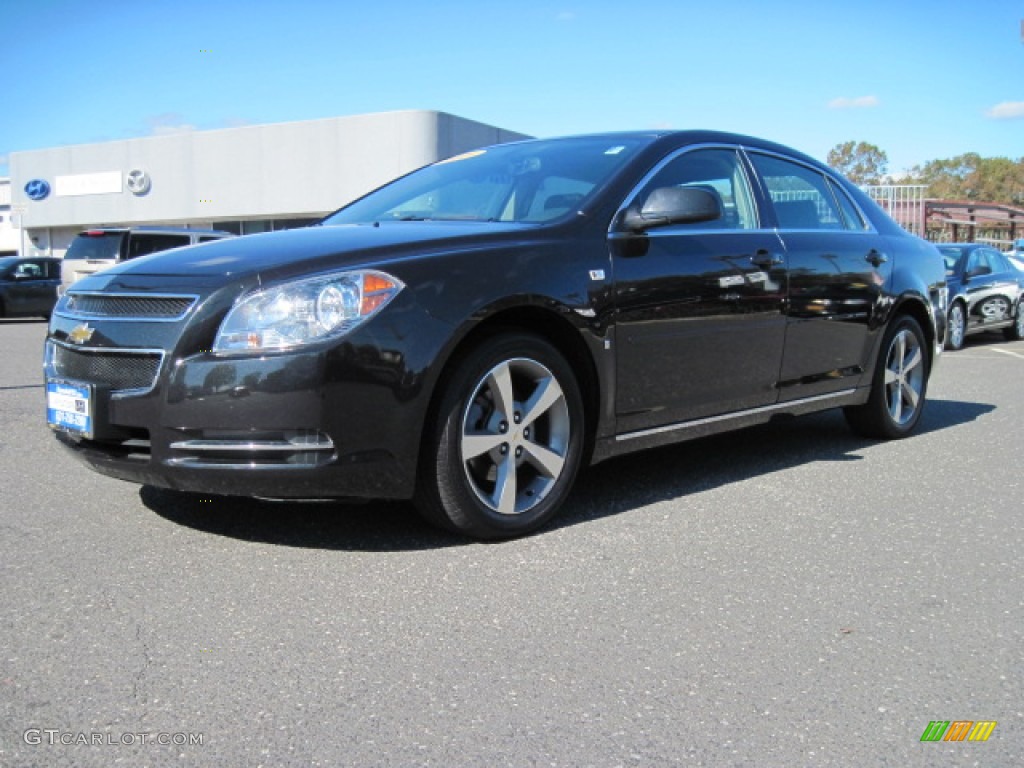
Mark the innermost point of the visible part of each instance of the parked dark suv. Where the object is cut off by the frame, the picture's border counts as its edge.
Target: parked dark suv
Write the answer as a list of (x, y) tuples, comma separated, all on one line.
[(472, 333)]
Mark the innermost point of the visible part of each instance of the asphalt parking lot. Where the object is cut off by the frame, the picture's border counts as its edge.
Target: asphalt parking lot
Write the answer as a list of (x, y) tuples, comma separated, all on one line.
[(789, 595)]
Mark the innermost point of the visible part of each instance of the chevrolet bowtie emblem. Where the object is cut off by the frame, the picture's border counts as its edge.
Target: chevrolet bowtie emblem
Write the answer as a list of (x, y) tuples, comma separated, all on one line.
[(81, 333)]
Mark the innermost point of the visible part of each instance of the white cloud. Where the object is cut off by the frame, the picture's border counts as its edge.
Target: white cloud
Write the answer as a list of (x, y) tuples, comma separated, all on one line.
[(1007, 110), (167, 123), (860, 102)]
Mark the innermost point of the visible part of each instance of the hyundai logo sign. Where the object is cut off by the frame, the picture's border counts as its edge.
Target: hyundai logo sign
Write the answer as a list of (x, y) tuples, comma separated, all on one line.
[(37, 189)]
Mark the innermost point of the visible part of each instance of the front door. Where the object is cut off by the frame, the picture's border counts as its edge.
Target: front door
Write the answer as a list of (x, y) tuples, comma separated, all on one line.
[(699, 307)]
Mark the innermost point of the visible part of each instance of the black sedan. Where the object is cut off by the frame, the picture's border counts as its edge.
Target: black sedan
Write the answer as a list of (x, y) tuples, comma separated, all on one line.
[(28, 286), (985, 291), (471, 334)]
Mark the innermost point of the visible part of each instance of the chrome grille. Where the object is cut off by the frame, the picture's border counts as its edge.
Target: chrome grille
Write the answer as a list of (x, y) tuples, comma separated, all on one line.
[(121, 306), (117, 369)]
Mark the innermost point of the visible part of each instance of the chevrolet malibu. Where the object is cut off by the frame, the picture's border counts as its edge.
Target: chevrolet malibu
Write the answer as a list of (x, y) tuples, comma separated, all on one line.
[(473, 333)]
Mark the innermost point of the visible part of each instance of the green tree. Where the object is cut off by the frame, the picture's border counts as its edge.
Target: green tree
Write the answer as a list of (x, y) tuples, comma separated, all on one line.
[(972, 177), (860, 162)]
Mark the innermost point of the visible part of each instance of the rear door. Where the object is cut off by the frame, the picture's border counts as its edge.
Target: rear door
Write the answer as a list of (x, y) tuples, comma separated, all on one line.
[(838, 268)]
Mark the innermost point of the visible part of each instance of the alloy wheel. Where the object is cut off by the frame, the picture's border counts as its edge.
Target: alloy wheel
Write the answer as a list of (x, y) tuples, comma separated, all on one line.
[(957, 326), (904, 377), (515, 436)]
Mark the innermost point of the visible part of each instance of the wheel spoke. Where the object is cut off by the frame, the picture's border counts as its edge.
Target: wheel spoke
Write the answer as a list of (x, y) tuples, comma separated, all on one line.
[(916, 358), (499, 383), (912, 394), (480, 443), (504, 499), (547, 461), (547, 394), (896, 402)]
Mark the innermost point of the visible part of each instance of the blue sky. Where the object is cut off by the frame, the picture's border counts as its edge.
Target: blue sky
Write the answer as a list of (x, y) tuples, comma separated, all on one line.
[(922, 80)]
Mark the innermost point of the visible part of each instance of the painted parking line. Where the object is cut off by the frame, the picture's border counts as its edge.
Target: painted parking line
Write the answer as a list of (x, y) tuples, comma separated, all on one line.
[(1018, 355)]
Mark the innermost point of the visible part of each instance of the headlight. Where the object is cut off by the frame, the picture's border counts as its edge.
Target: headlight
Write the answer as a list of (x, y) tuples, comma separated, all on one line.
[(305, 311)]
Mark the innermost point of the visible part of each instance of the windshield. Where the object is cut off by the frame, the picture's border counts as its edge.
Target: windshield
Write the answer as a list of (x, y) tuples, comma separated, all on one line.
[(95, 245), (6, 262), (531, 181)]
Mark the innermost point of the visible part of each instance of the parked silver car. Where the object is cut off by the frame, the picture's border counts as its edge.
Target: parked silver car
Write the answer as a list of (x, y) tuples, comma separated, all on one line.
[(985, 290), (96, 249)]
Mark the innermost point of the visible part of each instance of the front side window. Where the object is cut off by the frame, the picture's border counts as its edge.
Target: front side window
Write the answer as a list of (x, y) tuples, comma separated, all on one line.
[(527, 182), (800, 195), (717, 171), (30, 270)]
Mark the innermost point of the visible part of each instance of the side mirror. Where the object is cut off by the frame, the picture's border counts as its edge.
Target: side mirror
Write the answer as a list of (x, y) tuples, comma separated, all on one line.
[(673, 205)]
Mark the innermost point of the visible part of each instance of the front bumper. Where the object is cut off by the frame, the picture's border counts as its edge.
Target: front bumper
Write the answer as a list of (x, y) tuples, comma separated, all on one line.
[(274, 427), (336, 421)]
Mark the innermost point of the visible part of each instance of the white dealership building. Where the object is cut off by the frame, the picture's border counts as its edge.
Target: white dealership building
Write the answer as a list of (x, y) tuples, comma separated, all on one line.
[(243, 180)]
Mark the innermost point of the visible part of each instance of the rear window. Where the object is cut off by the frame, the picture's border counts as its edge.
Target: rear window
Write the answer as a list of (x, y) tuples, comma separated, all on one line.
[(142, 244), (95, 245)]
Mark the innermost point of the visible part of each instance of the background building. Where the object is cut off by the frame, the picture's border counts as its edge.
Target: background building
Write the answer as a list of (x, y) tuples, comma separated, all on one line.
[(10, 235), (243, 180)]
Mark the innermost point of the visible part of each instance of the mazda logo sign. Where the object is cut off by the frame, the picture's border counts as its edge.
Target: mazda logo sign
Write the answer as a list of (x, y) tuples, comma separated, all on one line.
[(37, 189), (138, 182)]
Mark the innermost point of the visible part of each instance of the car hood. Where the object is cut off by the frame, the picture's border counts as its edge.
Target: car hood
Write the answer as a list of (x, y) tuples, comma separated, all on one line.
[(279, 254)]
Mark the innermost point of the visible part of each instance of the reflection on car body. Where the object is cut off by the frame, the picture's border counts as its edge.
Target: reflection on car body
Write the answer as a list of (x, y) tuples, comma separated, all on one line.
[(469, 335), (985, 291)]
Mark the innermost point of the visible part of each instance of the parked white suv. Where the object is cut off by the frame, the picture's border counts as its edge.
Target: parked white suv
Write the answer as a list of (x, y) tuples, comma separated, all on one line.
[(96, 249)]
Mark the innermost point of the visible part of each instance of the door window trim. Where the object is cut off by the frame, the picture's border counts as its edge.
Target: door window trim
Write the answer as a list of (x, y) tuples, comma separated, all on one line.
[(741, 164)]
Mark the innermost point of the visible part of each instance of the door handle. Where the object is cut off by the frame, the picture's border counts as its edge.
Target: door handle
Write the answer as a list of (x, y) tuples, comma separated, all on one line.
[(875, 258), (765, 259)]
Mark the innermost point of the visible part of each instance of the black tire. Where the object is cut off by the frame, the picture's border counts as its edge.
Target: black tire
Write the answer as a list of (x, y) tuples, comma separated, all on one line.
[(517, 473), (898, 386), (1016, 331), (956, 324)]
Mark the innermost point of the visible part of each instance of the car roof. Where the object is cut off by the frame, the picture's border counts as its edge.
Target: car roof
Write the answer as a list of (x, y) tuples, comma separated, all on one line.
[(690, 136), (157, 230)]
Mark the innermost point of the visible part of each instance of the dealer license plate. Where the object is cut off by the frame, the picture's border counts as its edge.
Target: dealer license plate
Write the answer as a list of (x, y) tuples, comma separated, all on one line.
[(69, 406)]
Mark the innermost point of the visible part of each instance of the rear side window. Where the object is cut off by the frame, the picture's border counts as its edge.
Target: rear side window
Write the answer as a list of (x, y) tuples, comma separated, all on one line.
[(800, 195), (96, 245), (142, 244), (851, 216)]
